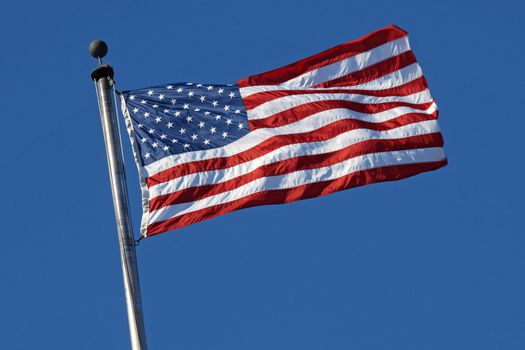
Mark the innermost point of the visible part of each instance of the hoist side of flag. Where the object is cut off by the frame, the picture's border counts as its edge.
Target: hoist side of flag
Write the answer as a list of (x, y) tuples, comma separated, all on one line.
[(356, 114)]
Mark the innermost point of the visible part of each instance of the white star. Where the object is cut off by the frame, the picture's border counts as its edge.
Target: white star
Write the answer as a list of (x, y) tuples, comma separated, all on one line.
[(194, 137), (166, 110), (202, 98), (189, 118), (215, 103), (173, 101), (169, 87), (147, 155), (226, 108), (161, 97), (146, 114), (232, 94), (201, 125), (207, 113), (151, 131), (206, 142), (174, 141), (135, 110), (132, 97), (189, 83), (154, 145), (182, 131), (163, 136), (150, 92), (158, 119), (143, 140), (237, 111), (186, 145), (209, 87), (228, 121), (140, 126), (197, 109), (199, 85), (213, 130), (165, 148), (218, 117), (191, 93), (240, 126), (177, 113), (169, 125), (179, 90), (224, 135), (143, 102), (186, 106), (220, 91)]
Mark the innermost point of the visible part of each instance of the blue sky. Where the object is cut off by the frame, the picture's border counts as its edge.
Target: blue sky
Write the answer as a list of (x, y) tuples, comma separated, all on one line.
[(431, 262)]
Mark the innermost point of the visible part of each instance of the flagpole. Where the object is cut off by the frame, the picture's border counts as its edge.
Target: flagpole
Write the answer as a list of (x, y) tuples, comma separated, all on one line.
[(103, 78)]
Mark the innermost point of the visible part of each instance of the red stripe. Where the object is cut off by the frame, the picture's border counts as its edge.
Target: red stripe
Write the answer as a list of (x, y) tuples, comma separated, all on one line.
[(330, 56), (372, 72), (326, 132), (305, 110), (412, 87), (295, 164), (317, 189)]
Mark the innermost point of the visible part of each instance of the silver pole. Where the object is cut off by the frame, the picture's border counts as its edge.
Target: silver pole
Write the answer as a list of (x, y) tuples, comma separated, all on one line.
[(103, 77)]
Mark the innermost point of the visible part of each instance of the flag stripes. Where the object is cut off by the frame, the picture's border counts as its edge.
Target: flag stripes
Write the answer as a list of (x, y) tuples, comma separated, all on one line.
[(296, 178), (338, 136), (361, 177)]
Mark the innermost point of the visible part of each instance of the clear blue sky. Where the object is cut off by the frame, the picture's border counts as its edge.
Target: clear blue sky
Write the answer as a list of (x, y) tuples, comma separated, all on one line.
[(432, 262)]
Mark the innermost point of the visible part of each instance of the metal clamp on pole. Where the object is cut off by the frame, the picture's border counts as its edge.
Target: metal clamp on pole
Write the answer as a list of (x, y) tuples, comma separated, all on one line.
[(103, 77)]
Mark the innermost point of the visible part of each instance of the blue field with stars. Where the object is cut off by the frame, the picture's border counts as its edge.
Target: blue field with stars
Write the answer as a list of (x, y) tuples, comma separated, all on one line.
[(184, 117)]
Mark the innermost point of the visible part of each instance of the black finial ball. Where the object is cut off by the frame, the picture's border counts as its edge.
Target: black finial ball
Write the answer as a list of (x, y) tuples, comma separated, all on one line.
[(98, 48)]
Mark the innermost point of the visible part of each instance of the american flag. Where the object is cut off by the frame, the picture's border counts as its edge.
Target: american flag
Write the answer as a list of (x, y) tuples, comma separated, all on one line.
[(355, 114)]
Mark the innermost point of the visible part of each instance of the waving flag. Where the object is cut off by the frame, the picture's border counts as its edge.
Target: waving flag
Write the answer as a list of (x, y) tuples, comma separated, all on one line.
[(356, 114)]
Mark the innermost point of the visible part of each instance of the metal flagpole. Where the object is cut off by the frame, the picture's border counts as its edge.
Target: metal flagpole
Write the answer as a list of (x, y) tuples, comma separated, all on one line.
[(103, 78)]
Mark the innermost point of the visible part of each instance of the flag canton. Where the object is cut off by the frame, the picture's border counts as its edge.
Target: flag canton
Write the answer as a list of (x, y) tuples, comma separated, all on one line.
[(184, 117)]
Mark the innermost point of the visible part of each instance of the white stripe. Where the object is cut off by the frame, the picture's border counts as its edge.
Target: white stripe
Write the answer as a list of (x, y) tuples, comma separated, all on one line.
[(391, 80), (284, 103), (302, 177), (291, 151), (313, 122), (345, 66), (351, 64)]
